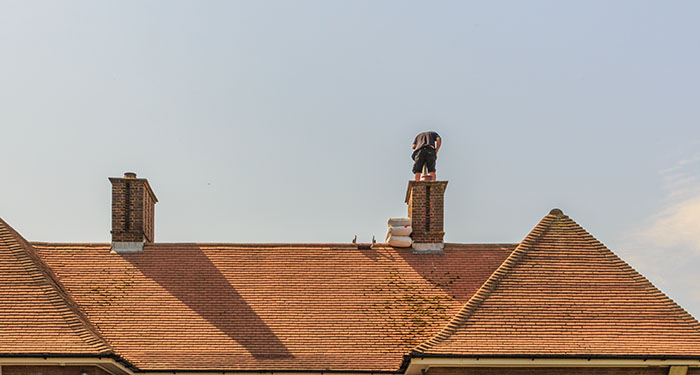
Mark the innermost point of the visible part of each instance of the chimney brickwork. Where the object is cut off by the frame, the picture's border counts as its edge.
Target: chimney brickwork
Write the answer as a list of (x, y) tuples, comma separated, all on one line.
[(426, 207), (133, 212)]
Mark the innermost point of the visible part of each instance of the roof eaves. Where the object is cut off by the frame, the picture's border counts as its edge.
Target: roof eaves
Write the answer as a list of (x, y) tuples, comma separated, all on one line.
[(266, 371), (558, 356)]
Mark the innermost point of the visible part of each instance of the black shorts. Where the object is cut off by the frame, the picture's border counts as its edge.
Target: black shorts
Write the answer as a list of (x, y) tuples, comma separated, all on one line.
[(425, 156)]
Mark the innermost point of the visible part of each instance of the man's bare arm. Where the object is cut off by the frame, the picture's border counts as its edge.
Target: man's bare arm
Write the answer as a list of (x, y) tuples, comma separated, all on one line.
[(439, 143)]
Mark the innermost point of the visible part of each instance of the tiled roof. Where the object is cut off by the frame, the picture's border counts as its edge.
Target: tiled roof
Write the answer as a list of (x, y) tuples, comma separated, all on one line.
[(269, 307), (318, 307), (563, 293), (36, 317)]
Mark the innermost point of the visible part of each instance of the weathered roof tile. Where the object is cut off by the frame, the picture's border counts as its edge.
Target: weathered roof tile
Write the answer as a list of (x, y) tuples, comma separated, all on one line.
[(562, 292), (265, 307), (36, 316)]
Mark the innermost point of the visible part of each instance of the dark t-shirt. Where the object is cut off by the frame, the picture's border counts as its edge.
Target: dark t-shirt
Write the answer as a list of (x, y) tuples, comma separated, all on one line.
[(426, 139)]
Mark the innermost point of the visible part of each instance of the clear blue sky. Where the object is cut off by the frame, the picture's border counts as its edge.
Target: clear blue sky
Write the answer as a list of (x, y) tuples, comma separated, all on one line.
[(291, 121)]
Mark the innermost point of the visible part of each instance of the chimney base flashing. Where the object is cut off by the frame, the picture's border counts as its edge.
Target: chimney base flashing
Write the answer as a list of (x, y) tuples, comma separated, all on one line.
[(428, 248), (127, 247)]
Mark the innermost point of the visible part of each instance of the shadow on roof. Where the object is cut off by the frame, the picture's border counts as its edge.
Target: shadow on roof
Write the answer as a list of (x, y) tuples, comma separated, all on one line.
[(192, 278), (459, 272)]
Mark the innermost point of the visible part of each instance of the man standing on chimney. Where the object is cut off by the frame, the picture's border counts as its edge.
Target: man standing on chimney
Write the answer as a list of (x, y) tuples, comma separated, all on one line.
[(426, 146)]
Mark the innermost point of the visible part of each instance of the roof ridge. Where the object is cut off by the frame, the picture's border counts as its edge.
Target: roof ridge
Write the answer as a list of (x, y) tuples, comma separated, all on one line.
[(490, 284), (44, 277), (636, 275)]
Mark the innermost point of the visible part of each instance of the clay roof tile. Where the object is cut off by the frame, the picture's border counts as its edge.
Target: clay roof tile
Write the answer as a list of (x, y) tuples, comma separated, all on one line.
[(561, 293), (36, 315)]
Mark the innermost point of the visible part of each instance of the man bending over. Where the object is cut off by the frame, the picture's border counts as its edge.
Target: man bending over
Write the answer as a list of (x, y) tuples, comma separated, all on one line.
[(426, 146)]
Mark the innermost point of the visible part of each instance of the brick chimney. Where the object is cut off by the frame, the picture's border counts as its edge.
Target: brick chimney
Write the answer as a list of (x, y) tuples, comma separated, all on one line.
[(425, 201), (133, 211)]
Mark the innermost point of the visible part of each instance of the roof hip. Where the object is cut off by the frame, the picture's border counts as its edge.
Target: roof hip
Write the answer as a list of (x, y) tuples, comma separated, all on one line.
[(489, 285), (45, 279), (560, 282)]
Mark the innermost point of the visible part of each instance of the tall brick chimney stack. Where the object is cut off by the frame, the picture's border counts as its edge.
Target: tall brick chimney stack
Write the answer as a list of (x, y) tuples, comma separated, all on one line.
[(426, 207), (133, 211)]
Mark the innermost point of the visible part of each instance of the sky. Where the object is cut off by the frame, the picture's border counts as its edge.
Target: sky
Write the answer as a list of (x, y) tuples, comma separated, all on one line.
[(291, 121)]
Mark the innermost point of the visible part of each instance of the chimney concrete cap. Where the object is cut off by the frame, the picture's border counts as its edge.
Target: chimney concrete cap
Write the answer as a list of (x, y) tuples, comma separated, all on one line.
[(129, 174)]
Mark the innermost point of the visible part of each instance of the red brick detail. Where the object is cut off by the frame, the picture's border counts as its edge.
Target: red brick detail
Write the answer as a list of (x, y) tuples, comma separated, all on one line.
[(548, 371), (133, 210), (426, 206), (52, 370)]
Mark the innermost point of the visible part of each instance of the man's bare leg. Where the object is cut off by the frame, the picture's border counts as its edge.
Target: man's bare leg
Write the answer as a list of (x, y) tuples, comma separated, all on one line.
[(417, 176), (433, 175)]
